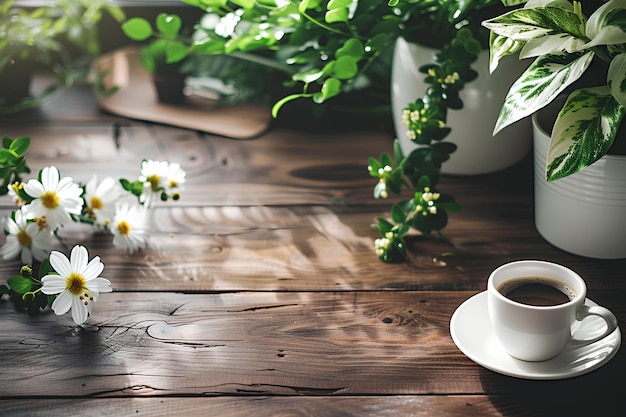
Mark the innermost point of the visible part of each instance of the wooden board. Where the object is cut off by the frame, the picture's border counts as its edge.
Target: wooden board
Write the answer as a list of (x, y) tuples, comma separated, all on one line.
[(137, 99)]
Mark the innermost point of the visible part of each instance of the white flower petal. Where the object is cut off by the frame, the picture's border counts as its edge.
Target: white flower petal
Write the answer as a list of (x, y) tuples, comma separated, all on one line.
[(27, 256), (10, 249), (98, 285), (93, 269), (78, 259), (62, 303), (50, 178), (79, 311), (52, 284), (60, 263)]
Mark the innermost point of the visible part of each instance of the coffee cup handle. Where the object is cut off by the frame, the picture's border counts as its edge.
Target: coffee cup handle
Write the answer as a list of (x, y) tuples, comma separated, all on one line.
[(605, 314)]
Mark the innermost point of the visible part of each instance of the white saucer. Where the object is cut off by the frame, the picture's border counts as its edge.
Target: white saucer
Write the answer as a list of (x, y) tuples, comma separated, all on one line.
[(472, 332)]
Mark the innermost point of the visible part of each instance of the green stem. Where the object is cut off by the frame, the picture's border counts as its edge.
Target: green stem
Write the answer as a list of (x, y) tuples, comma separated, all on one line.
[(324, 26), (263, 61)]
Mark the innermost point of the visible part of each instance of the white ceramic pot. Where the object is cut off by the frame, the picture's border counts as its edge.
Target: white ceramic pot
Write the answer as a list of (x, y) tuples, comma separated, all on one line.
[(582, 213), (478, 151)]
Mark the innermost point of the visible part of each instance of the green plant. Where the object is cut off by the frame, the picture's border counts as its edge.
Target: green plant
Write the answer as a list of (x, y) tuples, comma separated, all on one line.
[(12, 161), (460, 42), (61, 37), (427, 209), (322, 48), (570, 49), (329, 48)]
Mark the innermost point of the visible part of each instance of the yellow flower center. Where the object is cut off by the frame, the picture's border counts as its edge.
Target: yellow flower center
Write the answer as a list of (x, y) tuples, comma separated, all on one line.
[(41, 222), (75, 283), (24, 239), (96, 203), (50, 199), (173, 183), (154, 182), (123, 227)]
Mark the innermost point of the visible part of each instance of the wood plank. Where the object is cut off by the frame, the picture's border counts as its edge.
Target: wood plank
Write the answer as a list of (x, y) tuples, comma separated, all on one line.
[(323, 406), (318, 248), (261, 406), (344, 343), (280, 167)]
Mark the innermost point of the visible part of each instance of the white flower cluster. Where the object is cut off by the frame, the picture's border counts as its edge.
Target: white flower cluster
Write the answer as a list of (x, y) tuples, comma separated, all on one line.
[(48, 203)]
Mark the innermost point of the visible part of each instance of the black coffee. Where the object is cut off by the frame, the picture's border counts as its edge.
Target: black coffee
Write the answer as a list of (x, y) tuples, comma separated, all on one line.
[(537, 291)]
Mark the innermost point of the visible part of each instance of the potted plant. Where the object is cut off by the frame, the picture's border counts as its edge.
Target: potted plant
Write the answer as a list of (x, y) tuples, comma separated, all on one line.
[(163, 57), (315, 50), (423, 61), (579, 53), (61, 37)]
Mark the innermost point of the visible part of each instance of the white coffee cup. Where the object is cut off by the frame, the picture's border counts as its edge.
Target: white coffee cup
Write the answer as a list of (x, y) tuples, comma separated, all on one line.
[(538, 333)]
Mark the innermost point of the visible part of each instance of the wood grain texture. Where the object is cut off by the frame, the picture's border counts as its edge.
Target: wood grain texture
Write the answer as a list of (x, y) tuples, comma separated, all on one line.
[(271, 343), (261, 406), (261, 293)]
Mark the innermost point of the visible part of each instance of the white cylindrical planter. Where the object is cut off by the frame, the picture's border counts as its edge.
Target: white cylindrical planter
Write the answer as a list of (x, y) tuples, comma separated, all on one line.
[(478, 151), (583, 213)]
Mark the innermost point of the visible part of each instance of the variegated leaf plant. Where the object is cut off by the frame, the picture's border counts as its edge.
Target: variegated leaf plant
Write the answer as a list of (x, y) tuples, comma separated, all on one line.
[(564, 43)]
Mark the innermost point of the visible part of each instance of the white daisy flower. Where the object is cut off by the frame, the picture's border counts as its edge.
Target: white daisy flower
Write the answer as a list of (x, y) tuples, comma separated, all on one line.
[(13, 193), (100, 198), (130, 227), (25, 238), (175, 180), (78, 283), (154, 175), (55, 198)]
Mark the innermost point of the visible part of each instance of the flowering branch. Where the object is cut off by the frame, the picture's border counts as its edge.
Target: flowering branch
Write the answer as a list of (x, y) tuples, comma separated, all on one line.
[(46, 204), (419, 171)]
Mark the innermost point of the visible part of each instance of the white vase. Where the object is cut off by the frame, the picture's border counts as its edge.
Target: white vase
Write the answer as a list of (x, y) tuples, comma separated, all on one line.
[(582, 213), (478, 151)]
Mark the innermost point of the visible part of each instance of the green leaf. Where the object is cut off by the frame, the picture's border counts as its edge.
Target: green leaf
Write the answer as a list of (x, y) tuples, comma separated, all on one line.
[(385, 159), (331, 88), (616, 78), (246, 4), (19, 284), (168, 24), (513, 2), (607, 25), (397, 151), (308, 76), (531, 23), (375, 166), (539, 85), (345, 68), (7, 156), (352, 48), (45, 268), (337, 11), (534, 31), (137, 29), (175, 52), (398, 214), (584, 131), (6, 141), (20, 145), (308, 4)]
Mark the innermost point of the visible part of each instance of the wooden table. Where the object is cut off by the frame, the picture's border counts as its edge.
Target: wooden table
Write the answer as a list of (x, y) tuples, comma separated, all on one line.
[(262, 296)]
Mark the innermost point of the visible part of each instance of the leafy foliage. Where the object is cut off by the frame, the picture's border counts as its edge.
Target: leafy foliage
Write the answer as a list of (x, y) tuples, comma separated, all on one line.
[(565, 43), (322, 48), (24, 290), (12, 161), (60, 36)]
